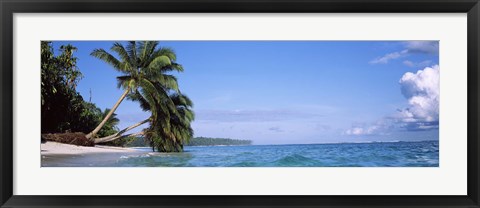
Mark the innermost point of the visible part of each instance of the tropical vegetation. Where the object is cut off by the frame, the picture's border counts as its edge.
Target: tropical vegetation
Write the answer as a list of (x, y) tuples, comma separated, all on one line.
[(145, 78), (62, 107)]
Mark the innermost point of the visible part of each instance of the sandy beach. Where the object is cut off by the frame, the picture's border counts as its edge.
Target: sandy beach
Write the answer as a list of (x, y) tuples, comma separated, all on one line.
[(56, 154), (55, 148)]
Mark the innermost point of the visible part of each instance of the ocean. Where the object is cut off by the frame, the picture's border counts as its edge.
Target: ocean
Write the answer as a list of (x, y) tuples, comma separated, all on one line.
[(375, 154)]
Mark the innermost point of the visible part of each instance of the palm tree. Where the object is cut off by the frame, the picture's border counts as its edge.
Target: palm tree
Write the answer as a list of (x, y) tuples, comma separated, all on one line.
[(110, 126), (172, 135), (142, 64), (120, 133), (168, 130), (160, 110)]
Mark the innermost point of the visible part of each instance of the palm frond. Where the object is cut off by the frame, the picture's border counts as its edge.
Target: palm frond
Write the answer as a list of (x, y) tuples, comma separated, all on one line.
[(162, 100), (108, 58), (166, 51), (172, 67), (123, 80), (122, 52), (147, 48), (168, 82), (158, 63), (132, 53), (137, 96)]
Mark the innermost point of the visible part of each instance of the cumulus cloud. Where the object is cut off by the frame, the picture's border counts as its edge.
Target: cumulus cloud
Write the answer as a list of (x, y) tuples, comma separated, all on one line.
[(411, 47), (380, 127), (422, 90)]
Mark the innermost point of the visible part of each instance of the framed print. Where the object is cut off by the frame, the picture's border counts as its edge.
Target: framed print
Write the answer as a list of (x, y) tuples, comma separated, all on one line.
[(239, 104)]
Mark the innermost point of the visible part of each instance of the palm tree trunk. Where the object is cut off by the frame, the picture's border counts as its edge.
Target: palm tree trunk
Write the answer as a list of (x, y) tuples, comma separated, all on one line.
[(95, 131), (116, 135)]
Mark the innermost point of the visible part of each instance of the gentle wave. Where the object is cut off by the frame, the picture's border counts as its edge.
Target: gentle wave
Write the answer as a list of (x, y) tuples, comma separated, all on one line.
[(374, 154)]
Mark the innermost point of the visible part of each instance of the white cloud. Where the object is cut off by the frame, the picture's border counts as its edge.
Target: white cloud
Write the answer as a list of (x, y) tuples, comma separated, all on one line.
[(378, 128), (390, 56), (422, 90), (362, 131), (411, 47)]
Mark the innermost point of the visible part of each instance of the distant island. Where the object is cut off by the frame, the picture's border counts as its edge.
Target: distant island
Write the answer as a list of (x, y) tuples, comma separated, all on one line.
[(197, 141), (207, 141)]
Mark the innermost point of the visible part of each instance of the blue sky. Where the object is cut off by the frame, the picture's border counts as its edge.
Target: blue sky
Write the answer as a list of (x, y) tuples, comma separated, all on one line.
[(279, 92)]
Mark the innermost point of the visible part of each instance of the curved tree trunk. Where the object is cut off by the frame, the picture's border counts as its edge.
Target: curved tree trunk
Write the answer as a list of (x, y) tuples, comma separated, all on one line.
[(119, 134), (118, 137), (95, 131)]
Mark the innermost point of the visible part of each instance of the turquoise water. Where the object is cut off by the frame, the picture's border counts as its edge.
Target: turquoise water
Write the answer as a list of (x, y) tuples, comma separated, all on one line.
[(392, 154)]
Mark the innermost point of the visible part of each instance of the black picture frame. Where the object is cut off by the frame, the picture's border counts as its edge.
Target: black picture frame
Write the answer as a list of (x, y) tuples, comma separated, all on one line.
[(10, 7)]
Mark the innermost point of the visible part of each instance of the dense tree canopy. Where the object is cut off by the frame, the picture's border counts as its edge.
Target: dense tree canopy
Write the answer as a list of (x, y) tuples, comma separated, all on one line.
[(63, 108)]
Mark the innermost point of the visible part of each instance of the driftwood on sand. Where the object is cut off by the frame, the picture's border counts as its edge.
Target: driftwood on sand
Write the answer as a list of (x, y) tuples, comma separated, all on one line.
[(76, 138)]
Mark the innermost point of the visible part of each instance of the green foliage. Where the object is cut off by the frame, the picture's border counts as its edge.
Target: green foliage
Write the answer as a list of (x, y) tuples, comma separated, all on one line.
[(68, 62), (171, 135), (145, 69), (206, 141), (89, 116), (110, 126), (137, 142), (63, 108)]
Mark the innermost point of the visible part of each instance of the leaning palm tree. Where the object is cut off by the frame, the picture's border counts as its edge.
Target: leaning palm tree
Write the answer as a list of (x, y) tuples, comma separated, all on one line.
[(121, 134), (142, 64), (172, 135), (159, 108), (169, 127)]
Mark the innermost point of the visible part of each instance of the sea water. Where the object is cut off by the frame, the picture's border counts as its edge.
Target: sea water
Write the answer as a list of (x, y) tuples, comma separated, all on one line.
[(375, 154)]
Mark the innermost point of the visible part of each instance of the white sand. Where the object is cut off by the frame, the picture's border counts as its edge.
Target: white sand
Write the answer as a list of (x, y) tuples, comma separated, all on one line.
[(55, 148)]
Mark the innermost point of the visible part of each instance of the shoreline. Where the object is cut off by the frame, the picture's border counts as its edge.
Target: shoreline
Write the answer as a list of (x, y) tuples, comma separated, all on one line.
[(55, 148), (65, 155)]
